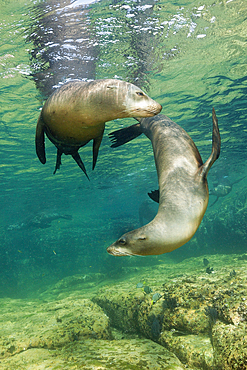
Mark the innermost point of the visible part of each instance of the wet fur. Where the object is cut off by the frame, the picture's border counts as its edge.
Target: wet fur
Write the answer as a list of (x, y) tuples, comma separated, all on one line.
[(76, 113), (183, 188)]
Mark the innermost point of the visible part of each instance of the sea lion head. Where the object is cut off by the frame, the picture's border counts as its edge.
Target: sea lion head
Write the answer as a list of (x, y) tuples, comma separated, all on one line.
[(153, 239), (140, 104), (124, 99), (133, 243)]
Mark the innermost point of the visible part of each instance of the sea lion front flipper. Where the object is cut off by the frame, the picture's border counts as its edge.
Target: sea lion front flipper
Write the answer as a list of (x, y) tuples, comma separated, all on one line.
[(58, 161), (40, 140), (154, 195), (124, 135), (96, 145), (78, 160), (215, 147)]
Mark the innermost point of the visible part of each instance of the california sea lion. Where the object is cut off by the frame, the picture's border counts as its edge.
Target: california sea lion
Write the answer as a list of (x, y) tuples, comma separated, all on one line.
[(183, 188), (41, 220), (76, 113), (223, 187)]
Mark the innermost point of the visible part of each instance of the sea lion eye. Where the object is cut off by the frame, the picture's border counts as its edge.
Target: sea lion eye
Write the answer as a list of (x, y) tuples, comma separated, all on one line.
[(139, 93), (122, 241)]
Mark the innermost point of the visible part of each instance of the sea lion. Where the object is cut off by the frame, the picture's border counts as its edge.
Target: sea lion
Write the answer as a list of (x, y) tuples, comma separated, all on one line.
[(183, 188), (223, 187), (41, 220), (76, 113)]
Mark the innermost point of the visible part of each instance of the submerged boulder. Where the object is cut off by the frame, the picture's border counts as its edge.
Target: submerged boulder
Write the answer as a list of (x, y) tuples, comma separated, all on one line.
[(51, 325), (230, 345), (90, 354), (199, 316)]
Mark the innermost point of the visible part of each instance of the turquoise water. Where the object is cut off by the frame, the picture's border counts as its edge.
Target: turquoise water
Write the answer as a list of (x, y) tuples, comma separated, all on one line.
[(188, 55)]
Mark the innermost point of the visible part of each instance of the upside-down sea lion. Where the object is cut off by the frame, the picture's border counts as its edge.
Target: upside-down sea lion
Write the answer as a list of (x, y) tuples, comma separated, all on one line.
[(76, 113), (183, 188)]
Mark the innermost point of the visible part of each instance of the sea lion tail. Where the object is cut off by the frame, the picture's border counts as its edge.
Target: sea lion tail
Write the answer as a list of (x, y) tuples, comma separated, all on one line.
[(216, 143), (124, 135), (40, 140)]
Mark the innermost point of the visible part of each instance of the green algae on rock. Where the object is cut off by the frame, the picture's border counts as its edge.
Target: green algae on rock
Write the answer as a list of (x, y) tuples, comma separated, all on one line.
[(180, 320), (51, 325), (198, 323), (230, 344), (91, 354)]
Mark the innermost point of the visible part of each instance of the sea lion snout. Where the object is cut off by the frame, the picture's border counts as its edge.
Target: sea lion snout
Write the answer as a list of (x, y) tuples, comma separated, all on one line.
[(118, 250), (140, 104), (150, 112), (130, 244)]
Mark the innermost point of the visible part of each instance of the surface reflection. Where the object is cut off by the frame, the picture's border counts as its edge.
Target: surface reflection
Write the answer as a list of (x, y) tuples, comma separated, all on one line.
[(89, 41), (64, 45)]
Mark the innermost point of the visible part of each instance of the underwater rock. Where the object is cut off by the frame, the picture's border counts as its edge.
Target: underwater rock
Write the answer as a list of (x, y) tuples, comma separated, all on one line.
[(89, 354), (230, 346), (72, 321), (190, 308), (121, 307), (51, 325), (194, 350), (200, 318)]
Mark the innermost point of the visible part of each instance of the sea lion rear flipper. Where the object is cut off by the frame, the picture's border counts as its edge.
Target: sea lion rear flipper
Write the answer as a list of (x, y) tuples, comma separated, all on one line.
[(215, 147), (40, 140), (124, 135), (58, 161), (96, 145), (78, 160), (154, 195)]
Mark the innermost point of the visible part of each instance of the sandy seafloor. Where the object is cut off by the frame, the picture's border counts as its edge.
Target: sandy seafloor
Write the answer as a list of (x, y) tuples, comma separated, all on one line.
[(88, 322)]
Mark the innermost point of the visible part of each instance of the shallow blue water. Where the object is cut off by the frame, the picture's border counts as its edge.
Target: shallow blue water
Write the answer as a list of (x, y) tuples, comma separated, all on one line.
[(187, 55)]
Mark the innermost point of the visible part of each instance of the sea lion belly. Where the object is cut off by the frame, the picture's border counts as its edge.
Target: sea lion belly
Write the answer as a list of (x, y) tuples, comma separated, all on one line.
[(76, 134)]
